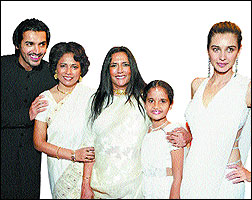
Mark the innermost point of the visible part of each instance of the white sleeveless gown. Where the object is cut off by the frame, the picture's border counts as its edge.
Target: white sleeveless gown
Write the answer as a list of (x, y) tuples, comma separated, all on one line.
[(214, 129)]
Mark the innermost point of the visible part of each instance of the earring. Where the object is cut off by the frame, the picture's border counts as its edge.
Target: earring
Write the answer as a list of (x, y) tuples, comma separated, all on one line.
[(56, 75), (236, 64), (80, 79), (209, 63)]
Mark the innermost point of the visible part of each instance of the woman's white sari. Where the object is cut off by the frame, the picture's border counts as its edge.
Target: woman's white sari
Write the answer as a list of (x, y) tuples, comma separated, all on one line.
[(66, 129), (117, 138)]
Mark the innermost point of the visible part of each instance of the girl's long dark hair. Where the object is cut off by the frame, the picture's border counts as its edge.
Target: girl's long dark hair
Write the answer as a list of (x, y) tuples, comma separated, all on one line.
[(103, 97)]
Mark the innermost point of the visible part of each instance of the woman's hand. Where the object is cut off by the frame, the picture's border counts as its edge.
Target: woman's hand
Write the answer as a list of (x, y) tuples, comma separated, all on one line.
[(179, 137), (86, 191), (37, 106), (86, 154), (240, 174)]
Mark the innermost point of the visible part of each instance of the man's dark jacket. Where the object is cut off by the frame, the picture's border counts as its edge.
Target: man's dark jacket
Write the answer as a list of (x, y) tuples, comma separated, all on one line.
[(20, 162)]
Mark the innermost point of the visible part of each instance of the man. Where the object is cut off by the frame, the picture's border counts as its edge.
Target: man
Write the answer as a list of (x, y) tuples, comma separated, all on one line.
[(23, 77)]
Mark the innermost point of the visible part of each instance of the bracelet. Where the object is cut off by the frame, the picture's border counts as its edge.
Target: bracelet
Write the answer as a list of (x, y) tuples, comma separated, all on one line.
[(73, 157), (57, 153)]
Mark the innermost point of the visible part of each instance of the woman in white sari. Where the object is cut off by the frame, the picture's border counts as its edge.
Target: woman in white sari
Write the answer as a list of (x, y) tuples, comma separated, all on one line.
[(59, 130), (117, 125)]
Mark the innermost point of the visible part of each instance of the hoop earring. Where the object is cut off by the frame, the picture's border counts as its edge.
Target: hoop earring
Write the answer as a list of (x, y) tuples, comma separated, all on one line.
[(209, 63), (55, 75), (236, 64)]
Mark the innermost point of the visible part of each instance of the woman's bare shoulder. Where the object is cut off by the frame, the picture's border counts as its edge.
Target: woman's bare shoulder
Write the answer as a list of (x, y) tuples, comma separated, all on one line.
[(196, 83)]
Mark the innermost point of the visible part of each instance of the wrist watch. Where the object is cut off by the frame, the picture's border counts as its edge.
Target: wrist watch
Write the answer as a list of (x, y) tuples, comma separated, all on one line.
[(73, 157)]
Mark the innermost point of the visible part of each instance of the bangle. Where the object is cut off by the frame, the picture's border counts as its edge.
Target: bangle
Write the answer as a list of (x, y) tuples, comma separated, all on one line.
[(73, 157), (57, 152)]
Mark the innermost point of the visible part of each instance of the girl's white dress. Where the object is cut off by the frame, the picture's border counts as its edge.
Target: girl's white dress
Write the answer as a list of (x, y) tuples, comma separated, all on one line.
[(117, 138), (66, 129), (214, 129), (156, 157)]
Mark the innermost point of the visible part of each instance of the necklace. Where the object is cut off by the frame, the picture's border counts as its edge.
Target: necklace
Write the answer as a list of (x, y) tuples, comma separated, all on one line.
[(154, 129), (119, 92), (63, 91)]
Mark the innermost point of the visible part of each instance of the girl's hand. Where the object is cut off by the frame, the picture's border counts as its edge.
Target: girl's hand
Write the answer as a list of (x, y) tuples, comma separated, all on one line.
[(86, 154), (240, 174)]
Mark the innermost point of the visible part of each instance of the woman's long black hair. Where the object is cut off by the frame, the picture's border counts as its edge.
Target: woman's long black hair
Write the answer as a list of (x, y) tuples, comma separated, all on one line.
[(104, 92)]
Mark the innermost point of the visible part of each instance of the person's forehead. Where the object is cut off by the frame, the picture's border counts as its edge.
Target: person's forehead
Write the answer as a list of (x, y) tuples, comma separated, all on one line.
[(34, 34), (157, 91), (224, 37)]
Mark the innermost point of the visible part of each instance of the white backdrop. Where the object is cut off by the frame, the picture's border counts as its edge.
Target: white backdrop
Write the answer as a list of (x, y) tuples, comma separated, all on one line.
[(168, 39)]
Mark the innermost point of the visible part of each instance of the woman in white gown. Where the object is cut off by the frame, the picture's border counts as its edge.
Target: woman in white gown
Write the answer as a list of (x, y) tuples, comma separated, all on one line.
[(117, 125), (59, 130), (219, 118)]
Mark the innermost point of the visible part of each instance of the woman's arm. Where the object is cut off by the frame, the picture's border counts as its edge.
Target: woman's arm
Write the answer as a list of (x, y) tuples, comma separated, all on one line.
[(86, 191), (248, 96), (177, 172), (195, 85), (40, 144), (180, 137)]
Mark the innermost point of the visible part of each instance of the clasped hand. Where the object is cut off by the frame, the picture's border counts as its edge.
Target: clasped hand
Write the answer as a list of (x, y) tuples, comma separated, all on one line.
[(86, 154)]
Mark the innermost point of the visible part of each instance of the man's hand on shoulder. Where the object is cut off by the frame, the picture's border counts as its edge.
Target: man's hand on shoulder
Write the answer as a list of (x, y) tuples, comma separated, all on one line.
[(37, 106)]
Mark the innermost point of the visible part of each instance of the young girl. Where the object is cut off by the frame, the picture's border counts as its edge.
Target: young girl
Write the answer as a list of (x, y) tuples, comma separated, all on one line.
[(162, 163)]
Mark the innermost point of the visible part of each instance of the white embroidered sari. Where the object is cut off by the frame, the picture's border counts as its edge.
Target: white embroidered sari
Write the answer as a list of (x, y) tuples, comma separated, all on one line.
[(66, 129), (117, 138)]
